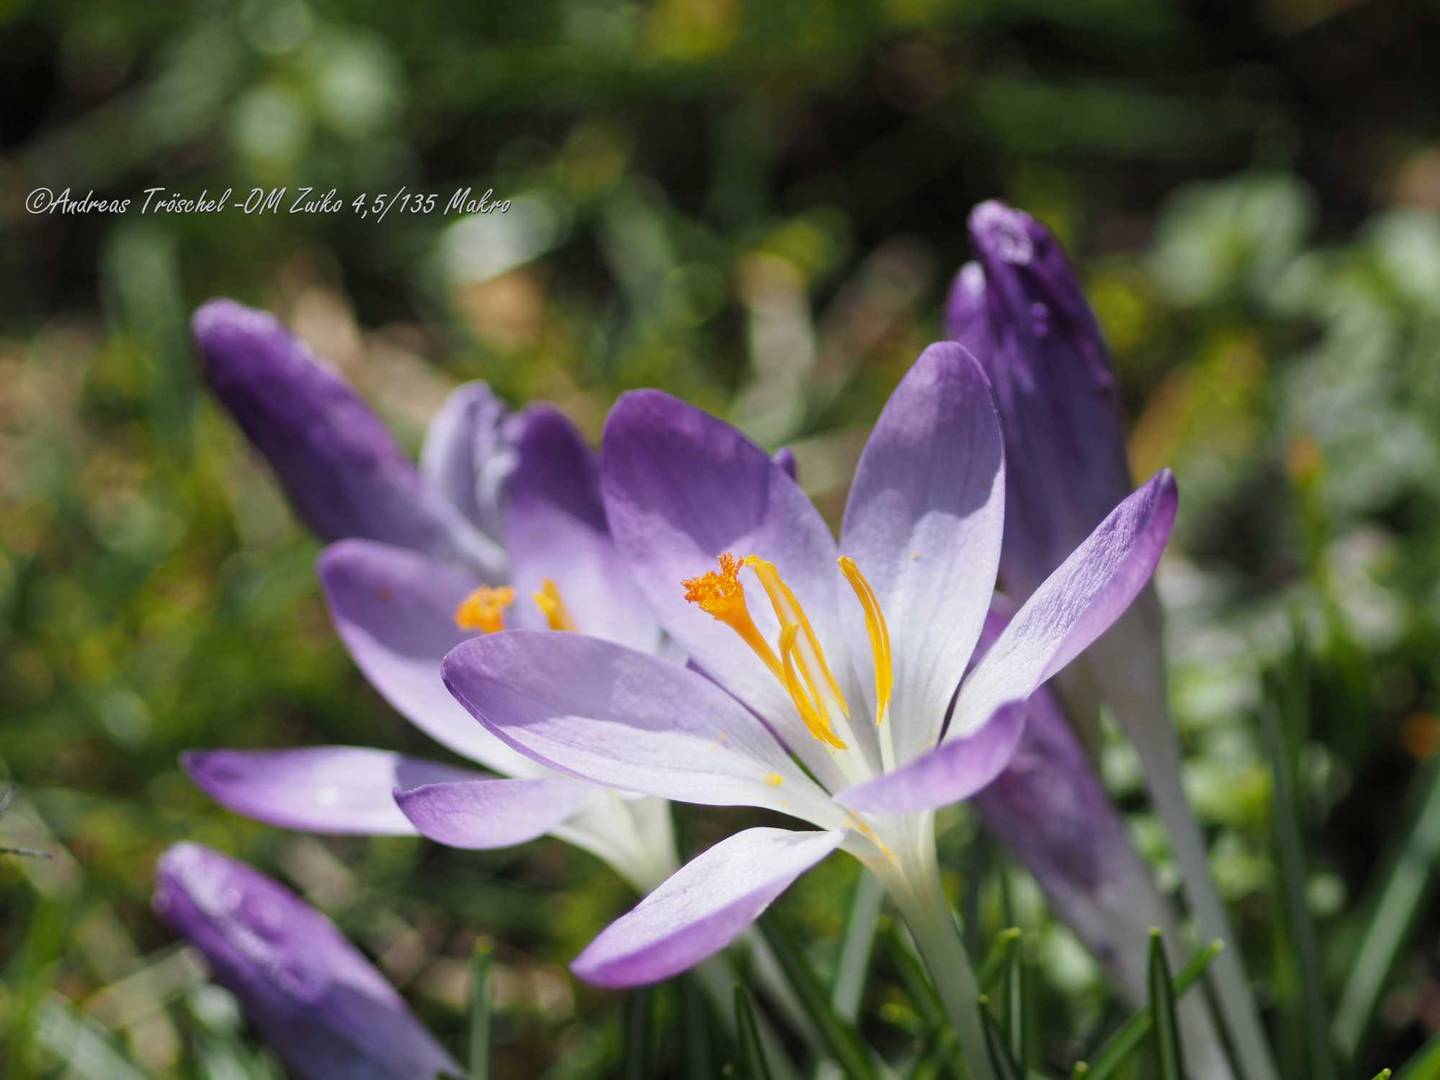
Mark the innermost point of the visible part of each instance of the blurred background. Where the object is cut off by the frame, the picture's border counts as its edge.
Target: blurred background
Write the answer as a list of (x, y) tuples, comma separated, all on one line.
[(757, 206)]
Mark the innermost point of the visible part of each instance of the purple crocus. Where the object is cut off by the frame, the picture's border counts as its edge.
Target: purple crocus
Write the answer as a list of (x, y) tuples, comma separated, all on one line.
[(420, 564), (1021, 310), (837, 699), (312, 995)]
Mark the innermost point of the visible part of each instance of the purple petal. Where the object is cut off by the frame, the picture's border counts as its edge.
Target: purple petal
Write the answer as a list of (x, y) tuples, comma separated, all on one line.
[(785, 458), (923, 523), (557, 532), (1075, 605), (681, 487), (703, 907), (1023, 315), (483, 814), (307, 990), (954, 770), (627, 719), (326, 789), (395, 611), (467, 456), (341, 469)]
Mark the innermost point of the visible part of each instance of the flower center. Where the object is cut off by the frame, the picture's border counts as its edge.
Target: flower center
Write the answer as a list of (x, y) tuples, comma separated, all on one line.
[(798, 661), (484, 609)]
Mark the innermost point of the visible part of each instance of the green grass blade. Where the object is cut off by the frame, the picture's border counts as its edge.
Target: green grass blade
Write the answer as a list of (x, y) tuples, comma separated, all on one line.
[(839, 1037), (1005, 1066), (1407, 882), (697, 1043), (1169, 1056), (752, 1053), (1118, 1048), (856, 947), (992, 967), (480, 1023), (639, 1021), (1425, 1064)]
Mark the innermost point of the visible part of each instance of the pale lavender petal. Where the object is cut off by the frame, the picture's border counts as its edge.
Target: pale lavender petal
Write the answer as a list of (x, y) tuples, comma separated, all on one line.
[(1075, 605), (325, 789), (341, 469), (706, 905), (395, 611), (468, 455), (923, 524), (1021, 312), (681, 487), (628, 719), (557, 533), (312, 995), (953, 771), (785, 458), (483, 814)]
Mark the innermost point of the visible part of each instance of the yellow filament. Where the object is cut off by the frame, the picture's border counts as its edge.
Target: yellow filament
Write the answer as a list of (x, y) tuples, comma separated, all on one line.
[(551, 605), (879, 636), (790, 613), (721, 595), (810, 710), (484, 609)]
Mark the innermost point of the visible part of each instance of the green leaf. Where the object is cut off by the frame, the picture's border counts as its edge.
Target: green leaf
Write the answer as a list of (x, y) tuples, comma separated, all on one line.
[(839, 1037), (856, 947), (1006, 942), (480, 1025), (752, 1053), (1425, 1065), (639, 1017), (1118, 1048), (1403, 889), (1170, 1060), (1013, 1006), (1005, 1066)]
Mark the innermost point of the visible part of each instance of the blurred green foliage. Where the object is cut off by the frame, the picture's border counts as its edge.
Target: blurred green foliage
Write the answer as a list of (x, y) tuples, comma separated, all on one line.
[(756, 206)]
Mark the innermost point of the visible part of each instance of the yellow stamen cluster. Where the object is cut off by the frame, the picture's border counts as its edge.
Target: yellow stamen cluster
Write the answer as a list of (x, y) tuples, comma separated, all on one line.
[(484, 609), (721, 595), (548, 600)]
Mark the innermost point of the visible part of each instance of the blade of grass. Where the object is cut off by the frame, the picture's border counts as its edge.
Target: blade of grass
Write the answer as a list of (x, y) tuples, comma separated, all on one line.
[(480, 1026), (1287, 700), (1013, 1007), (993, 966), (1169, 1056), (1401, 893), (1118, 1048), (639, 1017), (1004, 1065), (856, 946), (752, 1054), (839, 1037), (697, 1044), (1425, 1064)]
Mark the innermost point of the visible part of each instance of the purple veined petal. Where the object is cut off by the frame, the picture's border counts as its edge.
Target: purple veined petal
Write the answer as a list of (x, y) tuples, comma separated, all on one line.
[(341, 469), (1075, 604), (317, 1001), (953, 771), (324, 789), (1021, 311), (627, 719), (468, 456), (395, 611), (484, 814), (703, 907), (785, 458), (557, 531), (682, 487), (923, 523)]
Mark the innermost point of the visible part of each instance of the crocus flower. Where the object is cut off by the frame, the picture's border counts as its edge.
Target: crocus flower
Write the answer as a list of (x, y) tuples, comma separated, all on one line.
[(310, 993), (828, 700), (1021, 310), (419, 565)]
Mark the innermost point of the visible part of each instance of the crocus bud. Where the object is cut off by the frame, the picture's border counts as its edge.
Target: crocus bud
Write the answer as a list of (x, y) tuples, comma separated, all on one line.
[(310, 993), (1019, 309), (341, 469)]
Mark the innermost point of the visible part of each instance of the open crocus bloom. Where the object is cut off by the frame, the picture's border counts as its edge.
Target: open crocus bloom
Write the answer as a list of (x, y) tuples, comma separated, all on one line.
[(828, 672), (502, 525)]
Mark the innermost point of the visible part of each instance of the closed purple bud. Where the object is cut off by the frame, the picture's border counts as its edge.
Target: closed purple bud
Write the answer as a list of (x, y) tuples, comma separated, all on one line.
[(316, 1000), (1020, 310), (341, 469)]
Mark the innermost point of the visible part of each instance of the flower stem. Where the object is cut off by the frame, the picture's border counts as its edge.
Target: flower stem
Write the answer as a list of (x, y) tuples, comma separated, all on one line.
[(914, 886)]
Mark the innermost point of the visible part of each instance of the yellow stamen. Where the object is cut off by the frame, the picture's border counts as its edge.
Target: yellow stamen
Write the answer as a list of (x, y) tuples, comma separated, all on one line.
[(774, 779), (810, 709), (553, 607), (484, 609), (879, 636), (721, 596), (790, 613)]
